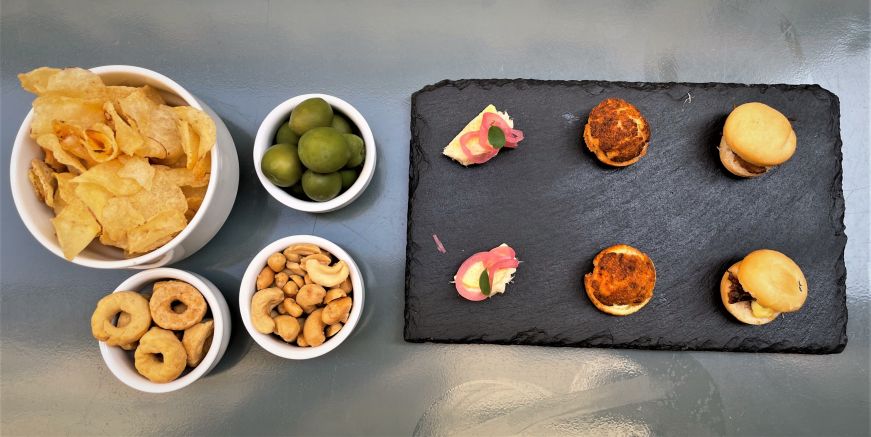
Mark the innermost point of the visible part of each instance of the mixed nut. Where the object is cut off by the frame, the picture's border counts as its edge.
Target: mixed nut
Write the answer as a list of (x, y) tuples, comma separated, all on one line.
[(303, 295)]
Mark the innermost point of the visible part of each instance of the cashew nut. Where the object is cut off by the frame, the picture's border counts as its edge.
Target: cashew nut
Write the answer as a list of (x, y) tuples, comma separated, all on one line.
[(280, 310), (334, 329), (337, 310), (287, 327), (291, 307), (308, 279), (310, 295), (295, 268), (290, 289), (298, 280), (265, 278), (281, 279), (262, 304), (313, 331), (300, 341), (292, 257), (346, 285), (276, 262), (319, 257), (303, 249), (327, 276), (333, 294)]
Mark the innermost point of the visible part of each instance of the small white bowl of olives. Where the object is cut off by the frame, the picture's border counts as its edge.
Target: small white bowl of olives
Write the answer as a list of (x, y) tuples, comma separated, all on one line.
[(314, 153)]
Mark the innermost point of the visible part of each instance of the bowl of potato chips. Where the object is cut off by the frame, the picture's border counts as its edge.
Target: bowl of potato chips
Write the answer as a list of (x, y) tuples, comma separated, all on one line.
[(120, 167)]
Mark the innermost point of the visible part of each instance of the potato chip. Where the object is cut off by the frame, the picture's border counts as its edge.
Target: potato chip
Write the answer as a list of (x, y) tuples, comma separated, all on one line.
[(119, 217), (138, 169), (50, 142), (202, 171), (155, 232), (74, 82), (203, 133), (194, 197), (72, 110), (156, 123), (42, 179), (106, 176), (94, 197), (100, 143), (129, 140), (165, 195), (36, 81), (52, 162), (75, 228)]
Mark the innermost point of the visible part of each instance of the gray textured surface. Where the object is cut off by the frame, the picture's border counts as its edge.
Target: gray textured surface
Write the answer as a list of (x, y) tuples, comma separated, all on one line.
[(678, 204), (244, 58)]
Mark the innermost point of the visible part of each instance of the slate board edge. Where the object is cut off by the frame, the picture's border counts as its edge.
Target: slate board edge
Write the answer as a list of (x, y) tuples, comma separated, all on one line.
[(417, 158)]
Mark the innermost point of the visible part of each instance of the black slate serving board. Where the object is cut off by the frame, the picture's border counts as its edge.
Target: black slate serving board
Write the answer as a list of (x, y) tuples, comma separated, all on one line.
[(557, 206)]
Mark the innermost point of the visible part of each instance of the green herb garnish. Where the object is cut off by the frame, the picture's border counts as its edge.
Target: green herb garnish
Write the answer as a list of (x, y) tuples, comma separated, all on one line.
[(496, 137), (484, 283)]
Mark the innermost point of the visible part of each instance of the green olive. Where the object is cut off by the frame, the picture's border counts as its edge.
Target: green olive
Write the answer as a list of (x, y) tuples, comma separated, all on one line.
[(324, 150), (280, 164), (341, 124), (349, 176), (297, 191), (285, 135), (358, 150), (309, 114), (321, 187)]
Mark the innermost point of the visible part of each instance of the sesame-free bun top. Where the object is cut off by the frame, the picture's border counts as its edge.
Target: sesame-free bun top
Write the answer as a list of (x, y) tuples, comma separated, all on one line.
[(759, 134), (617, 133), (741, 309), (622, 280), (774, 280)]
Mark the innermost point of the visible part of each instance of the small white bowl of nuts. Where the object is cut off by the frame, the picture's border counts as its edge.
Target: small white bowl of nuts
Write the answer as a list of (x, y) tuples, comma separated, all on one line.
[(301, 297)]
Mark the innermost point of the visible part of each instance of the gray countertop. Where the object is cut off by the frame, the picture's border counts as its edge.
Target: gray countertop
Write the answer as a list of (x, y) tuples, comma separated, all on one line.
[(243, 58)]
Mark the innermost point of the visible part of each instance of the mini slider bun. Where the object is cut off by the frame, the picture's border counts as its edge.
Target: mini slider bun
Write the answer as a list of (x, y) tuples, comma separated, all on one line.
[(761, 286), (756, 137), (622, 280), (617, 133)]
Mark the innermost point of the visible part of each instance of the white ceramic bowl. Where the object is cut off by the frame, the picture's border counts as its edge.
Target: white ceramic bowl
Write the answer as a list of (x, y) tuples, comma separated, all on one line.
[(273, 343), (120, 362), (215, 208), (266, 135)]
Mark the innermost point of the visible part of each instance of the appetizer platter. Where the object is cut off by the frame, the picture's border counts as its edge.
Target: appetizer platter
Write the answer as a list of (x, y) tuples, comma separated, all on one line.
[(672, 216)]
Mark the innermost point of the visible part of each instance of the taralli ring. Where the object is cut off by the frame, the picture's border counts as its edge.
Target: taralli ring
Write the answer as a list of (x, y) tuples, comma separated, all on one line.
[(196, 341), (168, 293), (173, 357), (116, 304)]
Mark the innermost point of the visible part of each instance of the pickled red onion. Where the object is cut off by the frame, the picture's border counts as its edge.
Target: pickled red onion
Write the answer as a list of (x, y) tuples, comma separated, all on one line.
[(502, 257), (490, 119)]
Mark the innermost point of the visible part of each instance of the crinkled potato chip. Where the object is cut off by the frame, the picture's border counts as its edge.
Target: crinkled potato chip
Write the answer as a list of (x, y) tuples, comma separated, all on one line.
[(119, 217), (129, 140), (106, 176), (36, 81), (194, 197), (94, 197), (42, 179), (72, 110), (155, 232), (75, 227), (138, 169), (100, 143), (164, 195), (156, 123), (119, 163), (202, 133), (52, 143)]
